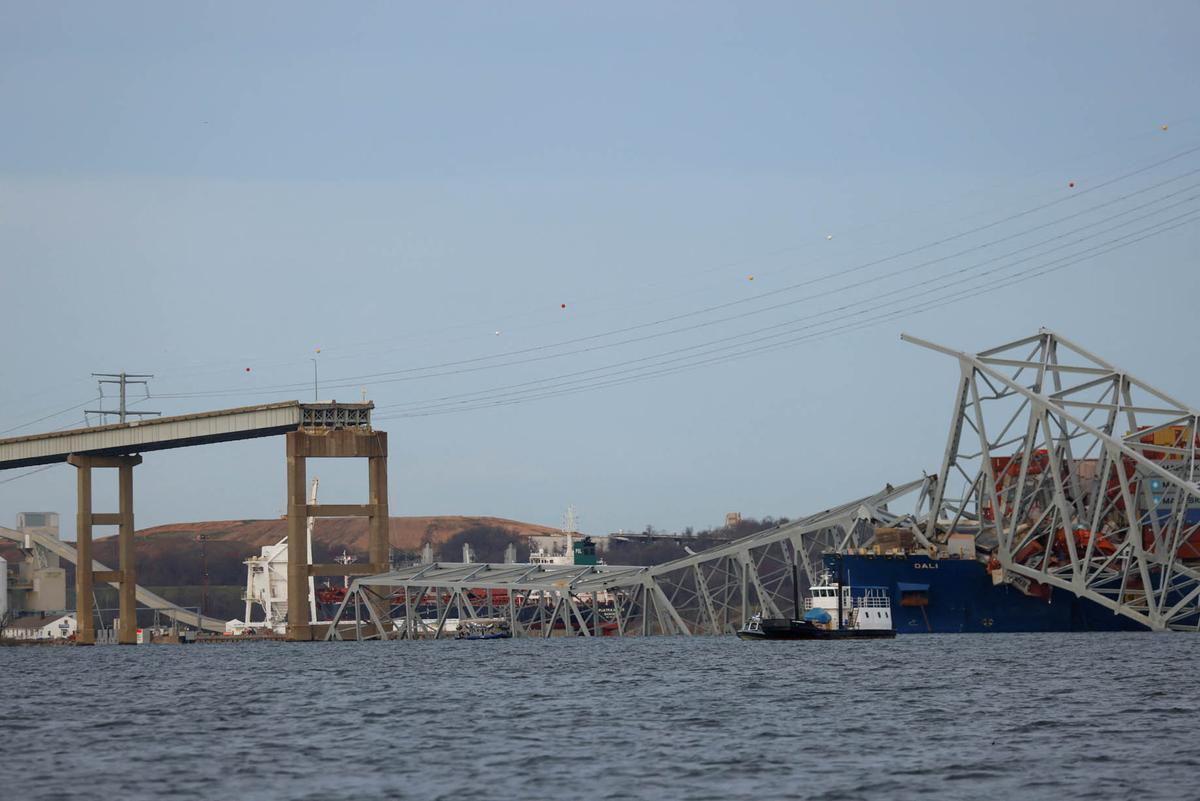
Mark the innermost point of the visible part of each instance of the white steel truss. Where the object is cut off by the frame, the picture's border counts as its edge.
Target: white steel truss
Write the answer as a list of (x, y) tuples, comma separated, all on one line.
[(1067, 472), (1076, 475), (711, 592)]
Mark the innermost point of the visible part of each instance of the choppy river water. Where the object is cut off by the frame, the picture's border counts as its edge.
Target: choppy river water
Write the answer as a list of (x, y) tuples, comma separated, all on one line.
[(1036, 716)]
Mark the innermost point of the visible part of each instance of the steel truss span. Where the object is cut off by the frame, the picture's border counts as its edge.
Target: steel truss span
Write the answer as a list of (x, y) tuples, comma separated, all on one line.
[(1065, 471), (711, 592), (1076, 475)]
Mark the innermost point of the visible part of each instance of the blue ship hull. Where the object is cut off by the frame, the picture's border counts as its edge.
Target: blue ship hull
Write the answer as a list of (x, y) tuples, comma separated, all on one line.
[(959, 596)]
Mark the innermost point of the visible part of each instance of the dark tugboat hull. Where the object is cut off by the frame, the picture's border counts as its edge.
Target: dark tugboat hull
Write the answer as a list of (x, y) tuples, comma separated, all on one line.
[(802, 630)]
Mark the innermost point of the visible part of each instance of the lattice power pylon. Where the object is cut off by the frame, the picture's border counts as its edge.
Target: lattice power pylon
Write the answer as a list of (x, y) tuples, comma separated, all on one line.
[(1078, 475)]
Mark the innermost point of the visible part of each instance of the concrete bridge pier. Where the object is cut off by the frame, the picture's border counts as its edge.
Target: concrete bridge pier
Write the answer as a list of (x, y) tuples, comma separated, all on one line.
[(335, 443), (126, 574)]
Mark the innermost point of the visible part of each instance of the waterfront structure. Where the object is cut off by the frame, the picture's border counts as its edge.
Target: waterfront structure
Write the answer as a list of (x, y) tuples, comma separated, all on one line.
[(37, 582), (41, 627)]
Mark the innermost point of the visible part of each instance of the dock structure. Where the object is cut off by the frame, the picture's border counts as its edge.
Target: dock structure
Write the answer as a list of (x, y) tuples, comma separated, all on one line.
[(312, 429)]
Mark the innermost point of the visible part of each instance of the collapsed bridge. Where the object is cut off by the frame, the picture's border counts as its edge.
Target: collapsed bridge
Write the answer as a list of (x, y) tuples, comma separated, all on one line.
[(1067, 474)]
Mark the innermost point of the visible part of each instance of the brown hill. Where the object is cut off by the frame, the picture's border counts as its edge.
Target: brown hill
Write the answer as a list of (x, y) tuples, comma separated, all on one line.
[(350, 533), (172, 555)]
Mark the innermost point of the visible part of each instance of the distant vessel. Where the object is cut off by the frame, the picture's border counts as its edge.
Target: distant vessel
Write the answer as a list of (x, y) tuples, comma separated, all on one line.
[(833, 611), (576, 551), (483, 628)]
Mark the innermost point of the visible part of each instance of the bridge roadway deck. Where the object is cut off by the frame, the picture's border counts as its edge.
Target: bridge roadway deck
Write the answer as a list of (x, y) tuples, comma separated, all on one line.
[(224, 425)]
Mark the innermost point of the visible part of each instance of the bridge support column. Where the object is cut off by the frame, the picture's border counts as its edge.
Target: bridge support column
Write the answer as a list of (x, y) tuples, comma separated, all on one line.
[(338, 443), (126, 574), (85, 623)]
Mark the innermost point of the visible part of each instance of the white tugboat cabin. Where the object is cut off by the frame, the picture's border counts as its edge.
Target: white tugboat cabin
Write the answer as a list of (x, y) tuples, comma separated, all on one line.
[(870, 610)]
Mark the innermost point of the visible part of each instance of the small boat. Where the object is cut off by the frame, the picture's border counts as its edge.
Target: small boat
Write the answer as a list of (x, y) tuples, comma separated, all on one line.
[(833, 611), (483, 628)]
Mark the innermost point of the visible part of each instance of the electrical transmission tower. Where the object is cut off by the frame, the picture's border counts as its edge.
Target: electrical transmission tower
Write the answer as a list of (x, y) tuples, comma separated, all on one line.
[(123, 380)]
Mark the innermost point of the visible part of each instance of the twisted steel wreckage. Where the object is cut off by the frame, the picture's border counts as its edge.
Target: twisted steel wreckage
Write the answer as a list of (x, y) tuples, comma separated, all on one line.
[(1069, 475)]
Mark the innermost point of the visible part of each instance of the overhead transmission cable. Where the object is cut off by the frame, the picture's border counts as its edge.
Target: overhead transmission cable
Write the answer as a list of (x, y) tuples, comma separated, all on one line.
[(51, 415), (397, 376), (607, 381), (1057, 165), (926, 282), (26, 474), (354, 380)]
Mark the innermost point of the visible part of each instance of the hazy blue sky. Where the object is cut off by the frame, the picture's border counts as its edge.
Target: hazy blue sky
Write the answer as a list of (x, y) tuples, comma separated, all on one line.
[(194, 189)]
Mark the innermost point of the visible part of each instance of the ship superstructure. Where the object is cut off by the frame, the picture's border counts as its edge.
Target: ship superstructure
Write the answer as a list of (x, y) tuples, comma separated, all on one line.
[(267, 582)]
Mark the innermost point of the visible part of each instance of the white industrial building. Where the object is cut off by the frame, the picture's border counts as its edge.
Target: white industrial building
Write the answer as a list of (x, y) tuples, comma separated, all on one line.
[(41, 627)]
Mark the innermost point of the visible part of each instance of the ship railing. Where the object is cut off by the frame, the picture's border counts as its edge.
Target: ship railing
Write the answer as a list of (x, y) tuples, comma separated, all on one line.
[(873, 598)]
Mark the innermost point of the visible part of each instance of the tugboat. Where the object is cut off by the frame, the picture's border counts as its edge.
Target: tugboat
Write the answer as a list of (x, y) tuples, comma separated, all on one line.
[(483, 628), (831, 612)]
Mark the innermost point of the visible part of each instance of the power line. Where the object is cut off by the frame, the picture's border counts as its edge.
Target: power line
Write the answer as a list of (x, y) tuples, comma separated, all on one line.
[(813, 337), (604, 381), (935, 279), (23, 475), (1057, 164), (54, 414), (352, 381), (634, 340)]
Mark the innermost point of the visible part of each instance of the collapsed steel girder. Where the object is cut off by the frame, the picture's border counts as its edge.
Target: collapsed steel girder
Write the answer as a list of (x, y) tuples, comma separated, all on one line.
[(1083, 478), (1078, 475), (711, 592)]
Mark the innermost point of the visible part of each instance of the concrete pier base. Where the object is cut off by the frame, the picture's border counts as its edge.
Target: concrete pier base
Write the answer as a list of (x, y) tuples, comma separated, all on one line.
[(126, 575), (338, 443)]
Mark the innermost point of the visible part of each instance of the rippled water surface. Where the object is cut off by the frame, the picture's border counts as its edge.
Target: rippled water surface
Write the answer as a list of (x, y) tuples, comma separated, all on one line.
[(922, 717)]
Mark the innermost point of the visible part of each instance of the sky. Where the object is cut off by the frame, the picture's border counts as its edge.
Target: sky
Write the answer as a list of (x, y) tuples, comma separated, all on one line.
[(512, 228)]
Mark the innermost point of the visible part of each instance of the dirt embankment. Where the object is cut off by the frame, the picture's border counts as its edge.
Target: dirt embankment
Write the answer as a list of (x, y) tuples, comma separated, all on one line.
[(404, 533)]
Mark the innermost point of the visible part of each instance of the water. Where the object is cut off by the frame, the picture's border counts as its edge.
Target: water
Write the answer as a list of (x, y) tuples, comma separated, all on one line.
[(922, 717)]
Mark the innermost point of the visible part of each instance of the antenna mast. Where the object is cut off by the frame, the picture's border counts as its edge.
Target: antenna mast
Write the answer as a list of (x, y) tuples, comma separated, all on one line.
[(569, 530)]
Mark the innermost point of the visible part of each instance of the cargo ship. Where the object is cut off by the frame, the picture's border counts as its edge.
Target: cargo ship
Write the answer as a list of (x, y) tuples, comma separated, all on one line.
[(963, 588), (956, 594)]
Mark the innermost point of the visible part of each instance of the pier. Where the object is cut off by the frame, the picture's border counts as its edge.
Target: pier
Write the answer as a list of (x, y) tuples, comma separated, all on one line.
[(313, 430)]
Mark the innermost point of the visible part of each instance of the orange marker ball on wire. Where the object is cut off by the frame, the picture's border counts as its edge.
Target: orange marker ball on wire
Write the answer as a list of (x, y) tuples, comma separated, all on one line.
[(562, 305)]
